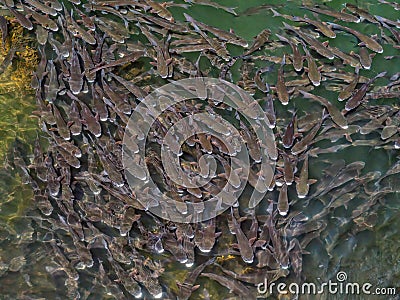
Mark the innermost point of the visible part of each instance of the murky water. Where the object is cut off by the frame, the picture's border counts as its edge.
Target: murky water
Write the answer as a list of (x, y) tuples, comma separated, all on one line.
[(371, 255)]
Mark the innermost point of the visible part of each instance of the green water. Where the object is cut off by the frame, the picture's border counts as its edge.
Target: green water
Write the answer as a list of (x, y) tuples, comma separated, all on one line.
[(369, 256)]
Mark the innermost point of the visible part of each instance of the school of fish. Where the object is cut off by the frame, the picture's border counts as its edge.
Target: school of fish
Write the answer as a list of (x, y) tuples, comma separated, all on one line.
[(99, 59)]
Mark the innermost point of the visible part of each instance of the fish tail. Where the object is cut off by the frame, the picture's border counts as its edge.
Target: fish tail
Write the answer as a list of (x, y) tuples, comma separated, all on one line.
[(231, 10), (381, 74), (275, 13)]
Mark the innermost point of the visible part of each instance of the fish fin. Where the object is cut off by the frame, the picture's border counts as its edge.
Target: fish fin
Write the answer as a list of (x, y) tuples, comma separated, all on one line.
[(169, 61), (312, 181), (259, 243), (274, 12), (195, 287), (326, 43), (252, 240), (231, 10)]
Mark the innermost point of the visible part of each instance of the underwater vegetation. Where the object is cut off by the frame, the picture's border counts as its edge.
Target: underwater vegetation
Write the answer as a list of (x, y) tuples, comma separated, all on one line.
[(19, 60), (123, 172)]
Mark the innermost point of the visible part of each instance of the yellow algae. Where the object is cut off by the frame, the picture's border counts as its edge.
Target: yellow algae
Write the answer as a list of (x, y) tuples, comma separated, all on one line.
[(223, 258), (16, 95)]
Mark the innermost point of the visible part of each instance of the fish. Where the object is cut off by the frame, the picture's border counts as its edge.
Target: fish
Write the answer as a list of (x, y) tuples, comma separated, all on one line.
[(59, 48), (338, 15), (22, 19), (387, 22), (297, 57), (281, 89), (4, 30), (269, 110), (137, 91), (364, 57), (76, 30), (349, 89), (177, 27), (132, 57), (296, 260), (130, 284), (230, 10), (41, 35), (117, 99), (283, 202), (363, 14), (303, 144), (160, 10), (333, 111), (164, 60), (245, 249), (316, 151), (289, 165), (117, 31), (52, 86), (227, 36), (76, 76), (86, 20), (88, 64), (251, 141), (288, 137), (38, 161), (7, 61), (99, 105), (233, 285), (188, 246), (43, 20), (395, 33), (43, 203), (75, 125), (321, 26), (346, 58), (215, 44), (259, 41), (205, 236), (188, 285), (312, 42), (143, 275), (175, 247), (395, 5), (380, 95), (88, 119), (303, 183), (369, 42), (313, 73), (110, 286), (261, 85), (62, 127), (358, 96), (46, 9)]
